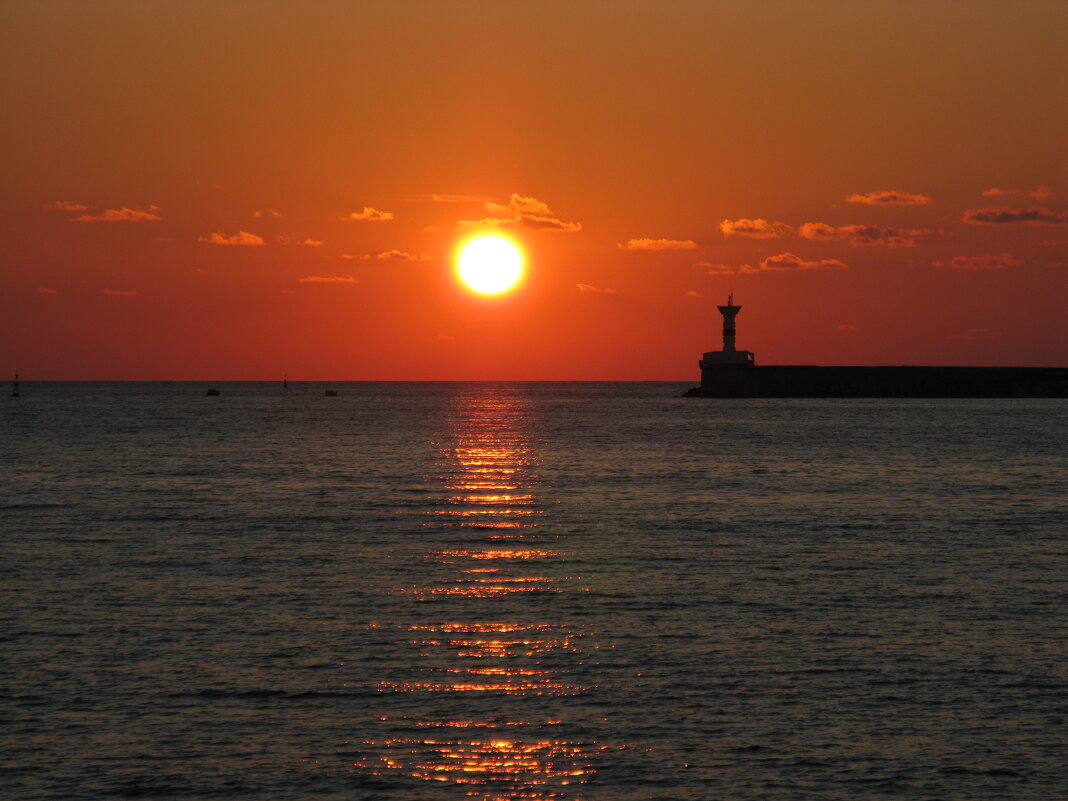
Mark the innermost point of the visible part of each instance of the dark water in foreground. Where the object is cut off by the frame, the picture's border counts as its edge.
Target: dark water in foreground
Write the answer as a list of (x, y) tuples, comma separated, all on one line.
[(529, 591)]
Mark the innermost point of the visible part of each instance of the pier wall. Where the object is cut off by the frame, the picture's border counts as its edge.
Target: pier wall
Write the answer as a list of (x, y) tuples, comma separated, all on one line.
[(805, 381)]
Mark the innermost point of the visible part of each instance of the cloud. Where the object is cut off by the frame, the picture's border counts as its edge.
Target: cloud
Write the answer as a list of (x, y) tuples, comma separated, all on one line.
[(862, 235), (714, 268), (121, 215), (547, 223), (355, 256), (657, 244), (292, 240), (849, 327), (521, 212), (243, 238), (975, 334), (368, 215), (265, 213), (788, 262), (784, 262), (522, 221), (518, 204), (595, 290), (1040, 192), (1036, 215), (889, 197), (126, 293), (328, 279), (446, 198), (124, 214), (47, 290), (755, 229), (693, 293), (1000, 262), (400, 255)]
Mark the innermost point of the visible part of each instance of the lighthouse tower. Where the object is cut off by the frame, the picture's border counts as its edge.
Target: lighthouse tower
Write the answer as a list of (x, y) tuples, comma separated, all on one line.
[(729, 356)]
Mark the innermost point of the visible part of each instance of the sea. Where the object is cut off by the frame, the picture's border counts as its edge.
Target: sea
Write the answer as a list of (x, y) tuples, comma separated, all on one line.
[(504, 591)]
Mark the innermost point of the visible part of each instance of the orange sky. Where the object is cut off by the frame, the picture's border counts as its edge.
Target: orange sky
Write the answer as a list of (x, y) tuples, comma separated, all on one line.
[(242, 190)]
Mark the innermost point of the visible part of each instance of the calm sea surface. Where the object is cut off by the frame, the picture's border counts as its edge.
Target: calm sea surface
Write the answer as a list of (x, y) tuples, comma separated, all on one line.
[(528, 591)]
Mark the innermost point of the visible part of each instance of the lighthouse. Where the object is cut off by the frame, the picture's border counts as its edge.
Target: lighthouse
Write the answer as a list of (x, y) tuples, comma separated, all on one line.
[(729, 356)]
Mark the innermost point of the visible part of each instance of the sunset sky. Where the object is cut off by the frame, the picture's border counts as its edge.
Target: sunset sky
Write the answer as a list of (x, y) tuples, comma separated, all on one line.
[(246, 190)]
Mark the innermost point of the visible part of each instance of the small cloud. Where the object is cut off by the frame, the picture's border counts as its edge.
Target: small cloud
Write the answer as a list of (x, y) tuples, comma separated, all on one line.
[(1042, 192), (265, 213), (1000, 262), (368, 215), (755, 229), (788, 262), (975, 334), (445, 337), (400, 255), (66, 205), (658, 244), (445, 198), (714, 268), (1035, 215), (889, 197), (47, 290), (328, 279), (522, 221), (862, 235), (293, 240), (121, 215), (995, 192), (847, 327), (126, 293), (518, 204), (286, 291), (693, 293), (241, 238), (784, 262), (595, 290), (521, 212), (355, 256)]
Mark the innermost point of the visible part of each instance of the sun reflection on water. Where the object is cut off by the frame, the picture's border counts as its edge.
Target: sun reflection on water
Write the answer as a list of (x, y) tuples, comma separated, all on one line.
[(481, 640)]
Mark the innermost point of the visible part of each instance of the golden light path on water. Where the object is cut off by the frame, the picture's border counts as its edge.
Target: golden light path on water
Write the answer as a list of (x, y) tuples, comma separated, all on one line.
[(492, 656)]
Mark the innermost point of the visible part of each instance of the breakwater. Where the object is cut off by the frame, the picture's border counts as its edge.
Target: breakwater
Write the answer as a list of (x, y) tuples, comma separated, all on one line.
[(810, 381)]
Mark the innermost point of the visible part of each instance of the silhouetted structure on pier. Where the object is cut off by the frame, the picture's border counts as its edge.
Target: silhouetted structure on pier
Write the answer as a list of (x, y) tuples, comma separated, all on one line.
[(732, 373)]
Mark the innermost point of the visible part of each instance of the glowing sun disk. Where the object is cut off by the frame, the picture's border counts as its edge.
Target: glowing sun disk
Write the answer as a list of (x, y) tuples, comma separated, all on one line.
[(490, 264)]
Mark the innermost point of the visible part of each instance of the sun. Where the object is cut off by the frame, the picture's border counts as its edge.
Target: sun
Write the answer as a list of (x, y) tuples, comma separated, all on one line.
[(490, 264)]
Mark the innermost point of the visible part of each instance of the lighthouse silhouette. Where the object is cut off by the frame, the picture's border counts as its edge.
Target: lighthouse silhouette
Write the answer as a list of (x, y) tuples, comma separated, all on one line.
[(729, 355)]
